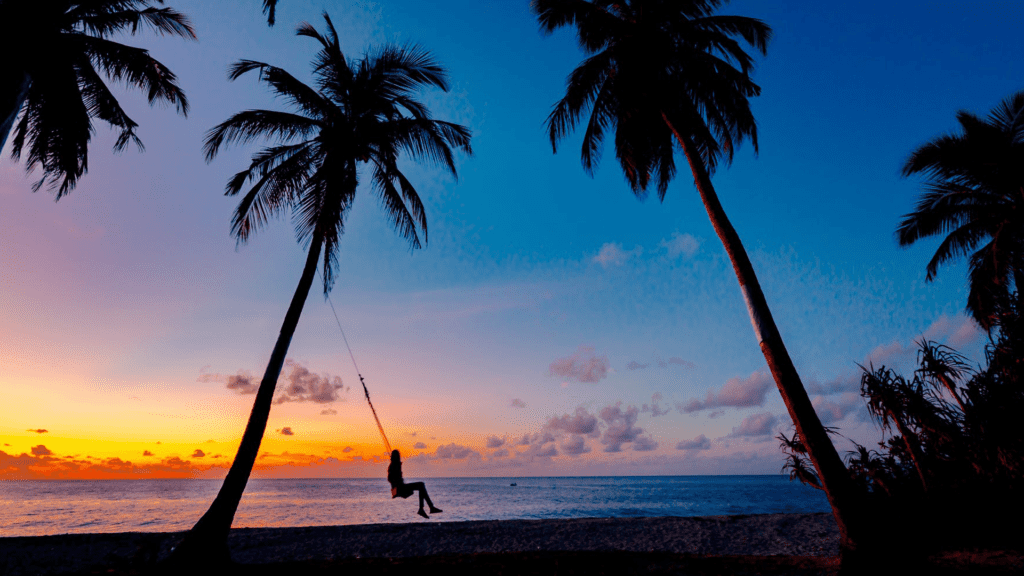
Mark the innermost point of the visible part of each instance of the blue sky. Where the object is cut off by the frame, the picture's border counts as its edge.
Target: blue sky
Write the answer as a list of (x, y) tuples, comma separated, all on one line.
[(132, 287)]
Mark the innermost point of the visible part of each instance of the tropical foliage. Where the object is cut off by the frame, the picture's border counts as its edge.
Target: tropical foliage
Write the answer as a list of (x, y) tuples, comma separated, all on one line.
[(973, 197), (362, 112), (951, 466), (55, 84), (668, 76)]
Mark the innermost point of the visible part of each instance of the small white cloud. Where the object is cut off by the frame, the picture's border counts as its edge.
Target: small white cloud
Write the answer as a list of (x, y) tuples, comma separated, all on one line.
[(612, 254), (685, 245)]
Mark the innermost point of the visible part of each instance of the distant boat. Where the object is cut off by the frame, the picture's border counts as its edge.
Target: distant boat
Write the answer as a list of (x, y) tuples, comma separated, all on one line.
[(512, 484)]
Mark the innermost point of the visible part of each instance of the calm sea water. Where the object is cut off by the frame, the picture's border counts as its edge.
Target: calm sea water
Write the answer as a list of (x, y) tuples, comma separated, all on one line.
[(35, 508)]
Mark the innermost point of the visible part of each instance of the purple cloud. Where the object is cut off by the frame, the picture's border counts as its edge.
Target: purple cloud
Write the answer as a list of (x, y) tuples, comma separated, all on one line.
[(582, 422), (574, 446), (582, 366), (737, 392), (699, 443), (755, 425), (620, 426)]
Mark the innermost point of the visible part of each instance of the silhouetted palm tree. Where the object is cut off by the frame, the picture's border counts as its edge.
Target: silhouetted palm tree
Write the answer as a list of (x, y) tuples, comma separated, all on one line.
[(668, 74), (974, 194), (363, 111), (54, 53)]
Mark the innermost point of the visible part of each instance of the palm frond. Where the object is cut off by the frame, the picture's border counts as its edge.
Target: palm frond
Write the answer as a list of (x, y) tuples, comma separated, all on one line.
[(582, 87), (270, 9), (164, 21), (246, 126), (101, 104), (136, 68)]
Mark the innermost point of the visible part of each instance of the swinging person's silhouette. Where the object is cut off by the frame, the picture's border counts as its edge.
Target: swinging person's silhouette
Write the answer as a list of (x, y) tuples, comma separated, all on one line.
[(399, 489)]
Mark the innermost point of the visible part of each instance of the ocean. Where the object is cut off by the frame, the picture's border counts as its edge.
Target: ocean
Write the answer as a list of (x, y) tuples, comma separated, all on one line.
[(37, 508)]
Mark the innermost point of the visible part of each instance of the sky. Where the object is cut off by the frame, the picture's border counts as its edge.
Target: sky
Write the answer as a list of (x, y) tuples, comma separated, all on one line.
[(553, 325)]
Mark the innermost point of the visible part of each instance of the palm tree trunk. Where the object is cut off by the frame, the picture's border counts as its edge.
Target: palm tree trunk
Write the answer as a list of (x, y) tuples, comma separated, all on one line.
[(207, 541), (835, 479), (913, 447), (12, 97)]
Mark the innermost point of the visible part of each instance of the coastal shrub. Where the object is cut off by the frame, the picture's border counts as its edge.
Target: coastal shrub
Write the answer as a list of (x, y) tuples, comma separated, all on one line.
[(951, 466)]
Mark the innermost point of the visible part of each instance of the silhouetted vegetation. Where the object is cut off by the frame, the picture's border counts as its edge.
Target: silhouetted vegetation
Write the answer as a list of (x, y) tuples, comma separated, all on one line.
[(51, 82), (951, 468), (973, 196)]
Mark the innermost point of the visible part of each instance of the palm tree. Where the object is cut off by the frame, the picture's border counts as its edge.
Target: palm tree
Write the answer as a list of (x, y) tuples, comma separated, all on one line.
[(54, 83), (667, 74), (363, 111), (974, 194)]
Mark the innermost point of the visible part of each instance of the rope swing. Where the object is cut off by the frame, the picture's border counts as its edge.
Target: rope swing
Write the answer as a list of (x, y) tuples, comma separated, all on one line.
[(366, 392)]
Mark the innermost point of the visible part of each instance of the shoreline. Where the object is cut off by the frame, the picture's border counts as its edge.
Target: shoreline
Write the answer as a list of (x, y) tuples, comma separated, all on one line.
[(761, 535)]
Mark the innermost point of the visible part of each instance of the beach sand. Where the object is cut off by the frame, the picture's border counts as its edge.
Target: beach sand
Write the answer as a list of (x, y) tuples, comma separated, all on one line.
[(759, 535), (759, 544)]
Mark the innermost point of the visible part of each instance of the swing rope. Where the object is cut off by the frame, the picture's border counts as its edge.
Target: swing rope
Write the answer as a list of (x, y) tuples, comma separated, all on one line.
[(380, 428)]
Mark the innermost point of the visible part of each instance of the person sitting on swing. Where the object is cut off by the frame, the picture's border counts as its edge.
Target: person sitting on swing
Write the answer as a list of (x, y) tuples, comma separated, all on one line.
[(400, 489)]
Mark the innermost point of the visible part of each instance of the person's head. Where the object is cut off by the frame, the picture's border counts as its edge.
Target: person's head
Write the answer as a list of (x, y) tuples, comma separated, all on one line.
[(395, 456)]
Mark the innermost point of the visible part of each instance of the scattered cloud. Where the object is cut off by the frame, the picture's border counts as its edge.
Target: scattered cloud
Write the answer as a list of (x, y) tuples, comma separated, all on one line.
[(147, 453), (298, 385), (242, 383), (286, 431), (582, 366), (455, 452), (419, 446), (620, 426), (517, 403), (503, 453), (655, 408), (305, 386), (41, 450), (755, 425), (634, 365), (495, 442), (830, 411), (38, 430), (645, 444), (737, 392), (198, 453), (548, 452), (612, 254), (699, 443), (574, 446), (582, 422), (347, 449), (685, 245), (328, 412)]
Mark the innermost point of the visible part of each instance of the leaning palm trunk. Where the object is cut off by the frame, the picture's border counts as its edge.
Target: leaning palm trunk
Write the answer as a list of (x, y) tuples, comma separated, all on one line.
[(208, 539), (835, 480), (12, 96)]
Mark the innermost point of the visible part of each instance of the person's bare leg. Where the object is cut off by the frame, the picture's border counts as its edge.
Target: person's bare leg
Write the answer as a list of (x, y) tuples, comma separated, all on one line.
[(422, 490), (425, 496)]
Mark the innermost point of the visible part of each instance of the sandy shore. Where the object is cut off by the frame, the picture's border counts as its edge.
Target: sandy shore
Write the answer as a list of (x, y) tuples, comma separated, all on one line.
[(757, 535)]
